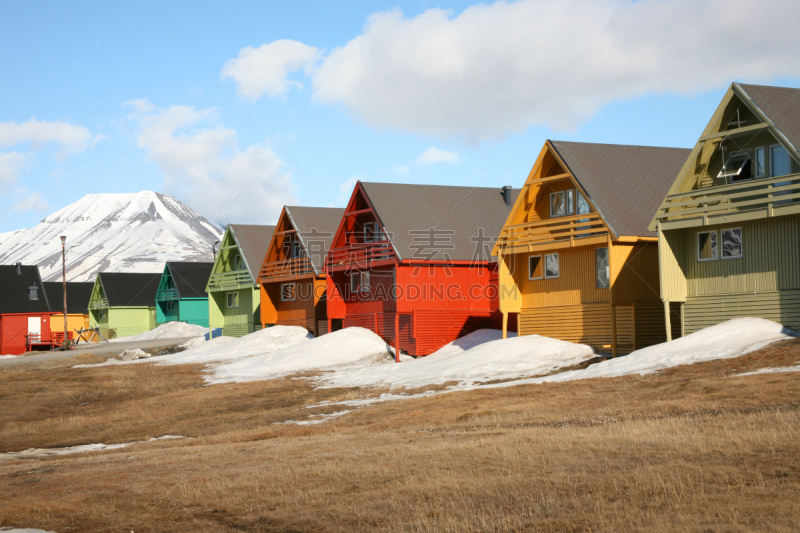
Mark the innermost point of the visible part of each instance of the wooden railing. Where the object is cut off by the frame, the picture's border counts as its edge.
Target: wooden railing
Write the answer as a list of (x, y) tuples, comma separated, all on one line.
[(167, 295), (361, 253), (230, 280), (98, 303), (560, 230), (286, 267), (752, 195)]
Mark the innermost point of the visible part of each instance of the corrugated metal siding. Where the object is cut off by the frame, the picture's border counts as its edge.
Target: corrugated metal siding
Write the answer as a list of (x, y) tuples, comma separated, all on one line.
[(635, 272), (771, 259), (779, 306), (587, 324)]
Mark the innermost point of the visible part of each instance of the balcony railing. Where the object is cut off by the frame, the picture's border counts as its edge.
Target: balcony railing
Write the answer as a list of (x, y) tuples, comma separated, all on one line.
[(561, 231), (98, 303), (297, 266), (360, 254), (235, 279), (167, 295), (758, 197)]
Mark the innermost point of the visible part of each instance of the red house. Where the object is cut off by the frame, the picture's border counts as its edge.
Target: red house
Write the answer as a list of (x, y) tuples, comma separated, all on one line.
[(24, 310), (413, 262)]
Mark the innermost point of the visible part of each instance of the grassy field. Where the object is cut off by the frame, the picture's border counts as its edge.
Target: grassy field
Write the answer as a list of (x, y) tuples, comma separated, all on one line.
[(694, 448)]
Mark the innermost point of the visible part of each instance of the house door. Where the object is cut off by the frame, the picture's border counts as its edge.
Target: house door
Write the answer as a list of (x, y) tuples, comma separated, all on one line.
[(35, 328)]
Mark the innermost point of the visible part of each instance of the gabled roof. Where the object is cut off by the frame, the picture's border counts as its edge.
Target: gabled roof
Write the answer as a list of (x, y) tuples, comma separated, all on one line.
[(626, 183), (190, 278), (14, 290), (316, 227), (253, 241), (78, 296), (128, 289), (780, 105), (459, 217)]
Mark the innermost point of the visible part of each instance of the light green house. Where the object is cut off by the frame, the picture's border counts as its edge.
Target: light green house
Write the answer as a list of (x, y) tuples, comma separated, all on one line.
[(234, 295), (729, 228), (181, 295), (123, 304)]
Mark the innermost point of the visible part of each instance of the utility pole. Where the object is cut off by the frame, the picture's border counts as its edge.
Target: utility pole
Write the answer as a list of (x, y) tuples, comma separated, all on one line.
[(64, 275), (214, 249)]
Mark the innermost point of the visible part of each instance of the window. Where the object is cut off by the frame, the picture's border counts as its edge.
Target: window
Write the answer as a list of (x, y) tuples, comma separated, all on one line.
[(557, 207), (737, 167), (33, 292), (288, 292), (583, 209), (780, 164), (233, 300), (551, 266), (707, 246), (170, 306), (570, 200), (732, 243), (295, 250), (369, 231), (365, 287), (359, 282), (237, 263), (535, 267), (760, 166), (602, 268)]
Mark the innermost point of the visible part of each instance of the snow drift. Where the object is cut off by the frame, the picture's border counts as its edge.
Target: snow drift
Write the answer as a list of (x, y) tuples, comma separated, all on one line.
[(170, 330), (346, 346)]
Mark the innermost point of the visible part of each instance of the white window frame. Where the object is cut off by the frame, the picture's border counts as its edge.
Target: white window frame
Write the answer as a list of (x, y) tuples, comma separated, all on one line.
[(293, 293), (544, 266), (235, 300), (697, 247), (720, 248), (755, 162), (564, 203), (531, 272), (569, 202), (608, 267)]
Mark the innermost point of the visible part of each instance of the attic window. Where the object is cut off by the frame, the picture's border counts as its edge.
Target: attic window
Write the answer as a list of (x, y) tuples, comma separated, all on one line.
[(738, 167), (33, 292), (372, 232), (295, 250), (238, 262), (557, 204), (288, 292)]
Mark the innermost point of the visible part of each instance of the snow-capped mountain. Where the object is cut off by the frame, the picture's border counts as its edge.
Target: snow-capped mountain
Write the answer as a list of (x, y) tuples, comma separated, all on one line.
[(131, 232)]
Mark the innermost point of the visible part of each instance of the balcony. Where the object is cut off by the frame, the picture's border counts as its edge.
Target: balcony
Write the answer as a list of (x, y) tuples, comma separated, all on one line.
[(286, 268), (167, 295), (360, 255), (748, 200), (236, 279), (98, 303), (561, 232)]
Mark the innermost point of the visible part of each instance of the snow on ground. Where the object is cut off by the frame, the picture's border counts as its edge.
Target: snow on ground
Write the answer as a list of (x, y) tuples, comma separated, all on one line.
[(23, 530), (470, 340), (258, 343), (170, 330), (729, 339), (772, 370), (7, 356), (489, 360), (341, 347), (33, 453), (317, 419)]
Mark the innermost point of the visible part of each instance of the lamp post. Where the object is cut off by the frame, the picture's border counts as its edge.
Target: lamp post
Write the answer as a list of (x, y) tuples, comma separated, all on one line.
[(214, 249), (65, 343)]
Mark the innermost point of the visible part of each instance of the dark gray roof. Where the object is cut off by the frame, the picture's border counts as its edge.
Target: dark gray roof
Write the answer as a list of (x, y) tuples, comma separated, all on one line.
[(14, 290), (626, 183), (253, 242), (78, 296), (129, 289), (782, 107), (190, 278), (465, 220), (316, 227)]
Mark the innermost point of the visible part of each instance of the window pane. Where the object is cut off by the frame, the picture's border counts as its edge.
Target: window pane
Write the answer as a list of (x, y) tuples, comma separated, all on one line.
[(732, 242), (707, 245), (583, 205), (535, 267), (551, 266), (602, 270), (760, 168), (570, 200), (355, 281), (557, 204), (780, 162), (365, 281)]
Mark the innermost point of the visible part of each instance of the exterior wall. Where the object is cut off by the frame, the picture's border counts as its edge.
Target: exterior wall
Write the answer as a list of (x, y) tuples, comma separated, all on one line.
[(74, 322), (14, 330), (635, 272), (509, 291), (235, 321), (163, 315), (127, 321), (437, 288), (707, 310), (672, 258), (583, 323), (308, 310), (193, 311)]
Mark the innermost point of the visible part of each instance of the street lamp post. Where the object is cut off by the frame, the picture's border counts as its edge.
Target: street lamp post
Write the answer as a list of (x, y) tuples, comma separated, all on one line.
[(65, 344)]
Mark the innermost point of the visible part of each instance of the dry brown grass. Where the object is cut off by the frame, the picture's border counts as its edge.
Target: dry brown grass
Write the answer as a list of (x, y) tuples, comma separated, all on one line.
[(693, 448)]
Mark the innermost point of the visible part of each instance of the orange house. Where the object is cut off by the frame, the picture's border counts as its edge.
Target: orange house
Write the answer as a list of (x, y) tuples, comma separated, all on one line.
[(292, 278)]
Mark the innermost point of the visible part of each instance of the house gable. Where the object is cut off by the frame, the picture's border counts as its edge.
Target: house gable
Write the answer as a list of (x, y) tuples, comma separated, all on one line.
[(166, 287)]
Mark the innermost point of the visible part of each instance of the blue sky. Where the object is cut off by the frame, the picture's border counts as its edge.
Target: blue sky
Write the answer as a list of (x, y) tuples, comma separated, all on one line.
[(137, 95)]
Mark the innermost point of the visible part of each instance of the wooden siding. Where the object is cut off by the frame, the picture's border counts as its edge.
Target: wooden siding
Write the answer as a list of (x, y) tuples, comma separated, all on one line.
[(236, 321), (510, 298), (436, 288), (672, 258), (124, 321), (707, 310), (634, 272), (584, 323), (649, 327), (308, 308)]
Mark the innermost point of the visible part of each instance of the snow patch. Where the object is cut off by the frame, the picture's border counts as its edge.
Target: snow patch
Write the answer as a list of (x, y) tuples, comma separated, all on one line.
[(317, 419), (772, 370), (33, 453), (170, 330), (8, 356), (134, 355)]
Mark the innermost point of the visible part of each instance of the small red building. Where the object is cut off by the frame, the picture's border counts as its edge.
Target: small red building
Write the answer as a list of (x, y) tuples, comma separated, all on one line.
[(413, 262), (24, 310)]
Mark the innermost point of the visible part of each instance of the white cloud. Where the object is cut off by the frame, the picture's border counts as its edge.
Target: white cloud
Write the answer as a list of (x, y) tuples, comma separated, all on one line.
[(68, 137), (203, 166), (436, 155), (266, 69), (500, 68), (345, 191), (29, 202), (11, 164)]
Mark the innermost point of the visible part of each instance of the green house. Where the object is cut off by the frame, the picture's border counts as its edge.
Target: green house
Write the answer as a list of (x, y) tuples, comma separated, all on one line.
[(182, 295), (234, 296), (123, 304), (729, 228)]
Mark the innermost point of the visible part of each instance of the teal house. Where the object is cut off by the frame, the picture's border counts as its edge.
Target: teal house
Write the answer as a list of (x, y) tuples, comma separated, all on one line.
[(182, 295), (234, 295)]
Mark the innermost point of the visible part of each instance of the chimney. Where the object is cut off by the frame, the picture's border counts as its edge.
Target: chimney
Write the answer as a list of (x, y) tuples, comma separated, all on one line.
[(19, 269), (507, 194)]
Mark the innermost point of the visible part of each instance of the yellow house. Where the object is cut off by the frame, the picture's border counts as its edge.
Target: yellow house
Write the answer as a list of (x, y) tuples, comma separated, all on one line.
[(78, 296), (577, 261)]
